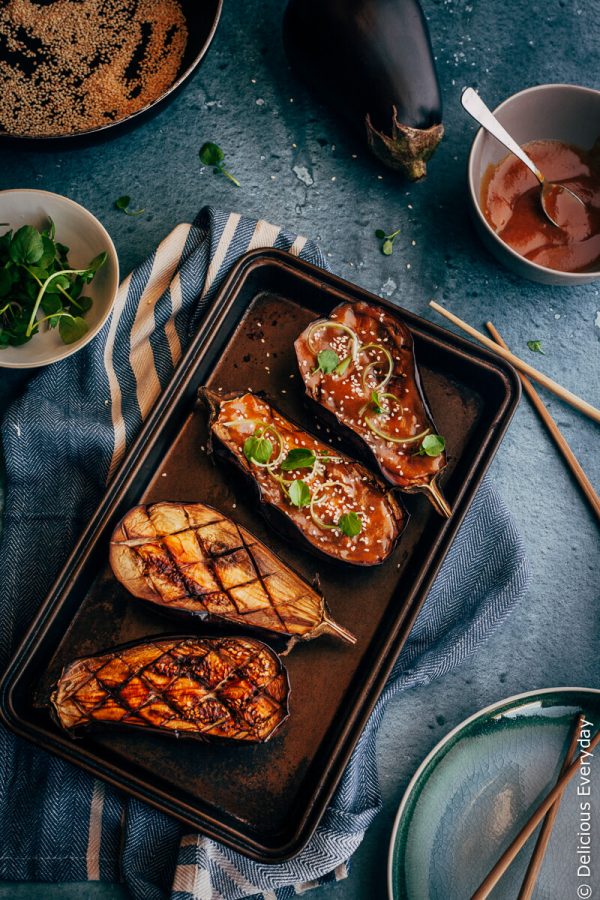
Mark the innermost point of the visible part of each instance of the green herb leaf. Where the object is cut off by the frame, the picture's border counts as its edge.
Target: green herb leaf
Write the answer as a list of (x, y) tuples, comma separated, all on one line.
[(432, 445), (61, 281), (258, 449), (299, 493), (5, 282), (535, 347), (26, 246), (72, 328), (327, 361), (376, 402), (97, 263), (342, 367), (350, 524), (211, 155), (51, 303), (122, 203), (299, 458), (49, 254), (387, 247)]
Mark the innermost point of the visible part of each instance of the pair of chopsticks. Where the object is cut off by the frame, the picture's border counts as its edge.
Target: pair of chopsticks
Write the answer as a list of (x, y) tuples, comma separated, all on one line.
[(547, 811), (499, 346)]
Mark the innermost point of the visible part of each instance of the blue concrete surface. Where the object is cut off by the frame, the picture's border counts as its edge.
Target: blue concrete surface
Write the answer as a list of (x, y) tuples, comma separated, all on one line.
[(298, 166)]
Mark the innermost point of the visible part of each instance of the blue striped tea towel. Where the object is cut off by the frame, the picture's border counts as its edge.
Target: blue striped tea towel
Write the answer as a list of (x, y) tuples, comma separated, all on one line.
[(63, 441)]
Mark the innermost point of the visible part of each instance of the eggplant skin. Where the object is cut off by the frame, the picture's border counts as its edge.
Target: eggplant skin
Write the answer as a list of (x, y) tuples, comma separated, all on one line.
[(399, 465), (190, 559), (233, 689), (382, 514), (372, 61)]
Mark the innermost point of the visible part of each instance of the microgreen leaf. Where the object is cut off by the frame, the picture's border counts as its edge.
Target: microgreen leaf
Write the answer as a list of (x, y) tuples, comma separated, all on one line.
[(96, 263), (327, 361), (26, 246), (299, 458), (342, 367), (122, 203), (535, 347), (387, 246), (350, 524), (258, 449), (376, 402), (71, 328), (211, 155), (299, 493), (432, 445)]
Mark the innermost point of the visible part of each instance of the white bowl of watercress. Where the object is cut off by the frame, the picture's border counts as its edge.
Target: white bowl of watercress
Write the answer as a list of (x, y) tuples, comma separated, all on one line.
[(59, 276)]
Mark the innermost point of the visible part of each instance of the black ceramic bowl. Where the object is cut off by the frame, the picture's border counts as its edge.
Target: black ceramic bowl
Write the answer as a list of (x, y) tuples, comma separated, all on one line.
[(202, 17)]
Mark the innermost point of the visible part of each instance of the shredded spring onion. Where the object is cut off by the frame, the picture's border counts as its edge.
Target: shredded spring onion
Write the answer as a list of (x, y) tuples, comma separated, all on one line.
[(315, 498), (392, 437), (328, 323), (374, 363)]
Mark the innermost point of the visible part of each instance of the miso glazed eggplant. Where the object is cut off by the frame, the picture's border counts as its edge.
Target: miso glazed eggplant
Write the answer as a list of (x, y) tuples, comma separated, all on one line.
[(359, 368), (372, 61), (190, 559), (307, 489), (207, 688)]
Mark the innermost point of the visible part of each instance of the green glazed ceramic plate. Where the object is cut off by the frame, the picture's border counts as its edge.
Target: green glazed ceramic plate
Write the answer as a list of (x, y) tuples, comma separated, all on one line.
[(480, 785)]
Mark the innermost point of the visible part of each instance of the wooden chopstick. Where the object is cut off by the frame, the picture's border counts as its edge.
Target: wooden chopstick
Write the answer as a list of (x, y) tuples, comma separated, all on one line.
[(582, 405), (537, 857), (584, 482), (487, 886)]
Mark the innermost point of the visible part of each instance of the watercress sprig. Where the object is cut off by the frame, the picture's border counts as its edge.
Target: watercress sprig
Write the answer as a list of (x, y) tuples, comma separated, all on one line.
[(387, 245), (211, 155), (123, 202), (431, 445), (35, 276), (535, 347)]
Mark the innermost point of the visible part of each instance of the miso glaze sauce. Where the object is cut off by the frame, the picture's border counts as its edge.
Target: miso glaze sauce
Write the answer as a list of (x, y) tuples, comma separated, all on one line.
[(510, 199)]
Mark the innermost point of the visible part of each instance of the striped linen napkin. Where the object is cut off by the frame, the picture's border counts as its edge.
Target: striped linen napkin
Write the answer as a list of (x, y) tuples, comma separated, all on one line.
[(63, 441)]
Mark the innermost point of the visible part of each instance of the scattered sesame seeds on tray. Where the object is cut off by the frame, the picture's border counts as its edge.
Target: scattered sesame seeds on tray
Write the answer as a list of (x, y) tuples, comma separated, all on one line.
[(68, 67)]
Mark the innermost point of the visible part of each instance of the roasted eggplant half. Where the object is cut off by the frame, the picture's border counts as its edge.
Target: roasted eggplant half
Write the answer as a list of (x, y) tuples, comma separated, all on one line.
[(307, 489), (209, 688), (359, 368), (190, 559)]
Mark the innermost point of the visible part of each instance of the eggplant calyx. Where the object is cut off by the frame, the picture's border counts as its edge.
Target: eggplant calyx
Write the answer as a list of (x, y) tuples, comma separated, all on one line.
[(408, 149)]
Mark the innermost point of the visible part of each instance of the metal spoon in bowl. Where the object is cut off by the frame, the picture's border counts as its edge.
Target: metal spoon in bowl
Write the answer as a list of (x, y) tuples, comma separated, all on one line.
[(560, 204)]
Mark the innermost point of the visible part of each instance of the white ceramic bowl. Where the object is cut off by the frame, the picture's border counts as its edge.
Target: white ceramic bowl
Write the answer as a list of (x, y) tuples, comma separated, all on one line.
[(86, 238), (562, 112)]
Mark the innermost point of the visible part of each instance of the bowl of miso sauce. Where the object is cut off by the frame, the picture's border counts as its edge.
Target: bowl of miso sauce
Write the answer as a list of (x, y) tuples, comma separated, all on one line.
[(559, 126)]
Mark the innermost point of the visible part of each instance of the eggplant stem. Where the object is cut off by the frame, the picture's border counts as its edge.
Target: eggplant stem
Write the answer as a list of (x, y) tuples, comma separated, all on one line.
[(330, 626), (436, 498), (407, 149)]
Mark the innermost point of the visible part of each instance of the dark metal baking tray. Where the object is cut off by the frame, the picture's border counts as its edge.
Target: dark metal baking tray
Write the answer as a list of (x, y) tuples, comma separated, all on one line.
[(262, 800)]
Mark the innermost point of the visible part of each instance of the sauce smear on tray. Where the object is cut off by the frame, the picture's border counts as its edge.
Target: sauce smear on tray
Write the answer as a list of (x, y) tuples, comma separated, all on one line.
[(510, 199)]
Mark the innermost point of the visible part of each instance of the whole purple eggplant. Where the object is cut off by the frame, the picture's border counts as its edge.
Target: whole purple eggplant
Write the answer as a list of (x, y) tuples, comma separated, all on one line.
[(372, 61)]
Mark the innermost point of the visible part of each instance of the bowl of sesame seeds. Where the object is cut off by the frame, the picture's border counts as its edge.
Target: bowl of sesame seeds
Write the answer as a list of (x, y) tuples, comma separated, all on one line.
[(76, 68)]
